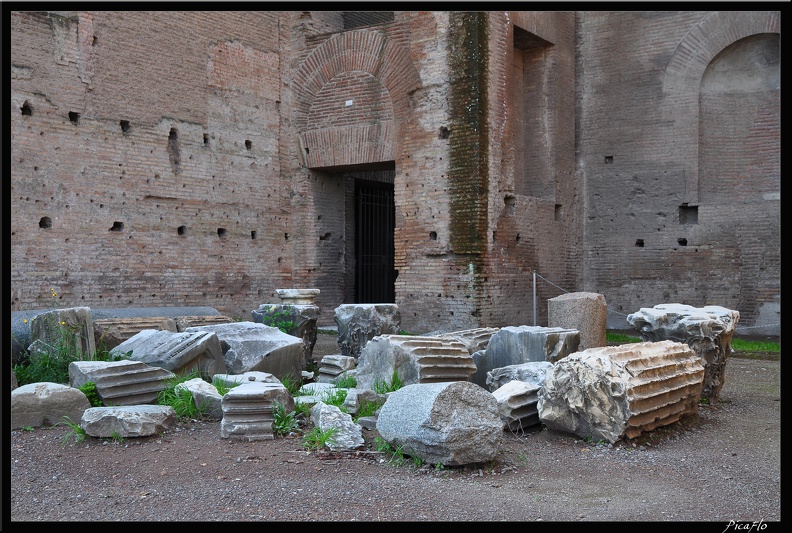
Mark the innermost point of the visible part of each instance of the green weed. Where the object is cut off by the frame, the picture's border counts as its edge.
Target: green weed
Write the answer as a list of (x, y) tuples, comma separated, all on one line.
[(280, 320), (589, 439), (42, 366), (75, 430), (292, 384), (283, 423), (318, 439), (312, 367), (334, 397), (223, 387), (346, 381), (395, 455), (302, 409), (118, 439), (51, 362), (180, 398), (89, 389), (382, 387), (367, 408), (382, 445)]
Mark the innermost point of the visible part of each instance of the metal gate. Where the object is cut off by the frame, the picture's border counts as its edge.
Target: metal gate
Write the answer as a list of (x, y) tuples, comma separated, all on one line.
[(374, 225)]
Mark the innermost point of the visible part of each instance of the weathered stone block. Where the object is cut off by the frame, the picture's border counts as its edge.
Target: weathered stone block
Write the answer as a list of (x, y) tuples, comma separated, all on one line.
[(517, 405), (127, 421), (585, 312), (248, 410), (40, 404), (110, 332), (415, 359), (205, 396), (621, 391), (348, 435), (250, 346), (708, 330), (181, 353), (359, 323), (475, 339), (64, 330), (184, 322), (297, 296), (513, 345), (333, 366), (296, 320), (452, 423), (533, 372), (121, 382)]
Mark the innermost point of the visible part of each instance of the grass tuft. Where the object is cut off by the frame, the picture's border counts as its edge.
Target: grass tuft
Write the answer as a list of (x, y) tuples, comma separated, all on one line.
[(76, 431), (318, 439), (283, 423), (180, 398)]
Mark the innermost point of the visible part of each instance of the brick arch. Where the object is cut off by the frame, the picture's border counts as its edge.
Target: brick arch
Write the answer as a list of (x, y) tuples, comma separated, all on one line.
[(685, 70), (369, 52)]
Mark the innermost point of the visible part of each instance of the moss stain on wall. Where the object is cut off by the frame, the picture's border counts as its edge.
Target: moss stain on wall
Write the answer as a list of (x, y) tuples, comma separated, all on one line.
[(468, 174)]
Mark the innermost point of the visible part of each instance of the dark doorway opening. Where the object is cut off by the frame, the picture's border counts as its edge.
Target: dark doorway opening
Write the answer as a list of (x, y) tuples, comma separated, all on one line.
[(374, 226)]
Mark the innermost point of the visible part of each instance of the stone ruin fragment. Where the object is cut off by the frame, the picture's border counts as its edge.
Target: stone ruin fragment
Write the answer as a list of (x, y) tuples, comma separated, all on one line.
[(180, 353), (121, 382), (415, 359), (452, 423), (516, 388), (614, 392), (333, 367), (513, 345), (359, 323), (248, 410), (251, 346), (707, 330), (297, 315)]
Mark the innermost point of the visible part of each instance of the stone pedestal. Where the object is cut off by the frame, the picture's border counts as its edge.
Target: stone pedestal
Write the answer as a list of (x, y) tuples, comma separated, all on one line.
[(297, 296), (708, 330), (586, 312), (297, 315), (248, 410)]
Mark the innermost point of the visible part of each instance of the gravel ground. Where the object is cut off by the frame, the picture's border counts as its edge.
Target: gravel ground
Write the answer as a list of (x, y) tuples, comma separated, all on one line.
[(722, 465)]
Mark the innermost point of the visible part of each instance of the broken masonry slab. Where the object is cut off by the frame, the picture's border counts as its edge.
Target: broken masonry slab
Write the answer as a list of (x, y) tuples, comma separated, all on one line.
[(621, 391), (708, 330)]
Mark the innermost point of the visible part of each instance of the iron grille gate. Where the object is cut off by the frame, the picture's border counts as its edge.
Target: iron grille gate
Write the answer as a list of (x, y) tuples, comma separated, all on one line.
[(374, 213)]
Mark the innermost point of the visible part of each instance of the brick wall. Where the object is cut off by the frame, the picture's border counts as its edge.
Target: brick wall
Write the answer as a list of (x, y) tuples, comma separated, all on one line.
[(208, 158), (167, 190), (666, 126)]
